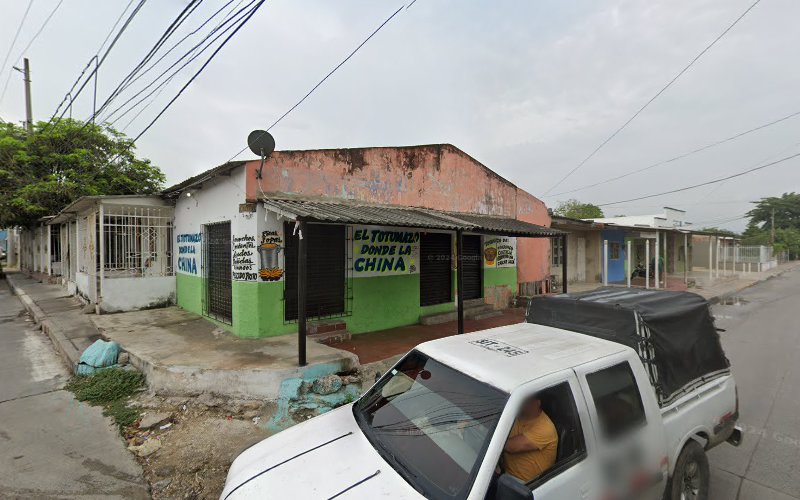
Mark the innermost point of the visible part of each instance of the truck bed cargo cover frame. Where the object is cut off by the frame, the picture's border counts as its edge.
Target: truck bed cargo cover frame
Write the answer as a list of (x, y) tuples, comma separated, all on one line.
[(673, 332)]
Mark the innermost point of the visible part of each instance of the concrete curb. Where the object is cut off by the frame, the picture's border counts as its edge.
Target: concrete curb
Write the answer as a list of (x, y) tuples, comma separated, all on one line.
[(69, 354), (724, 296)]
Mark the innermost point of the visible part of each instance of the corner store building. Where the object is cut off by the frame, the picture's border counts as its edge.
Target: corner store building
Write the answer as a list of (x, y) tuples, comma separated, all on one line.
[(379, 229)]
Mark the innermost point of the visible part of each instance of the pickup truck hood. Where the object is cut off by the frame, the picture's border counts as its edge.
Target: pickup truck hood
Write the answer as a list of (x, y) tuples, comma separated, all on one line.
[(325, 457)]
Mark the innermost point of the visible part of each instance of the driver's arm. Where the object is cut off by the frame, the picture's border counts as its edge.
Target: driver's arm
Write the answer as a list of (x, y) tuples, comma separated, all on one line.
[(520, 444)]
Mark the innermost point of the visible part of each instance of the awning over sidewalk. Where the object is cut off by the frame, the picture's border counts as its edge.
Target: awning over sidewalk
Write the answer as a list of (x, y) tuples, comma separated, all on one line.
[(341, 211), (338, 211)]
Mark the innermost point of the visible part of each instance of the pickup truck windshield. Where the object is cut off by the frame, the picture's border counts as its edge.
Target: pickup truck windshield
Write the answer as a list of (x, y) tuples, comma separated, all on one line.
[(432, 423)]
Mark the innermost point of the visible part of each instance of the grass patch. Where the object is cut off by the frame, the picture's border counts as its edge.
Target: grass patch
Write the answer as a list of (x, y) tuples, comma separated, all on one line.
[(109, 388)]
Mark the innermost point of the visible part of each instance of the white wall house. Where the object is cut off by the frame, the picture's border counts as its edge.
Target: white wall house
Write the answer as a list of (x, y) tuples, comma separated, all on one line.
[(115, 251), (670, 218)]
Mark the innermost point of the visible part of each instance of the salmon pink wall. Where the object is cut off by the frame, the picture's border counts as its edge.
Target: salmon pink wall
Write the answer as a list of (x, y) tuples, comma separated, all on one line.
[(436, 176)]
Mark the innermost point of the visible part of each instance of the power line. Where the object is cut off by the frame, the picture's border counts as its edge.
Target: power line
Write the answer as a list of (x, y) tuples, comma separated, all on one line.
[(210, 58), (225, 21), (98, 61), (16, 35), (732, 176), (35, 36), (663, 89), (683, 155), (331, 72), (182, 16)]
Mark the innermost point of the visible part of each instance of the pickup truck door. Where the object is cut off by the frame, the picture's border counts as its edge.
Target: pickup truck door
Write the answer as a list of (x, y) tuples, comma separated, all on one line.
[(575, 474), (627, 423)]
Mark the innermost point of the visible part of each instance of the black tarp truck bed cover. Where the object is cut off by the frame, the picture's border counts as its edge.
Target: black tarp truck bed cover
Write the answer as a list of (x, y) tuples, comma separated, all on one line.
[(673, 332)]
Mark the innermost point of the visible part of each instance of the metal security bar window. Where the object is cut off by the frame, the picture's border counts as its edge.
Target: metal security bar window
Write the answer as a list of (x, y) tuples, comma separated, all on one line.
[(137, 241)]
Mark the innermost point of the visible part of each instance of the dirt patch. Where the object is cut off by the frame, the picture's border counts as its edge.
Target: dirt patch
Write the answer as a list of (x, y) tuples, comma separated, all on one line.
[(195, 447)]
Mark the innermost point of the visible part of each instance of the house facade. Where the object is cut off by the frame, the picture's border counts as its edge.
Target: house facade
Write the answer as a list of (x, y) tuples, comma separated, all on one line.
[(381, 238)]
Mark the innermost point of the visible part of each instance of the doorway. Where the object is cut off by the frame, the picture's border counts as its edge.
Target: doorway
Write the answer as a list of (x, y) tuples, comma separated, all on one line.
[(217, 270), (435, 279), (472, 260)]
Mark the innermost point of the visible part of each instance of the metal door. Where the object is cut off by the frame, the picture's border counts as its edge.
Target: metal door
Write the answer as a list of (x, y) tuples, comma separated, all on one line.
[(325, 272), (472, 260), (217, 271), (435, 280)]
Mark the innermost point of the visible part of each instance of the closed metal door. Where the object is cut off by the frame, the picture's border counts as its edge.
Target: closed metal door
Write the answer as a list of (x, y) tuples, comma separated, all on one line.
[(435, 280), (217, 270), (325, 274), (472, 260)]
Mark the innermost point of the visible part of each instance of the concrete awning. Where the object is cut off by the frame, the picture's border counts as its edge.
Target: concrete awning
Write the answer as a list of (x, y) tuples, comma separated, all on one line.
[(340, 211)]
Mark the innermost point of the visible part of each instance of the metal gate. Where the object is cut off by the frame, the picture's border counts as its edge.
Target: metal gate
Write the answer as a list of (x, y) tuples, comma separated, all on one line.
[(472, 260), (435, 279), (217, 271), (325, 260)]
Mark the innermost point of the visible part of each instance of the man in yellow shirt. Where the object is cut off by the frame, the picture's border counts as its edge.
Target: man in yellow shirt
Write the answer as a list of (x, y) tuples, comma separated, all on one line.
[(532, 443)]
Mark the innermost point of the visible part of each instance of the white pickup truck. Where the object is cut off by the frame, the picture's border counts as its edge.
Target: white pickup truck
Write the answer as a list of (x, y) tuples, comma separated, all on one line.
[(435, 425)]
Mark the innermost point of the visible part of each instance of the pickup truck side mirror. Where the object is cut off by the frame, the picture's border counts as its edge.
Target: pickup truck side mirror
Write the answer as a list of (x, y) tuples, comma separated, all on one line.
[(511, 488)]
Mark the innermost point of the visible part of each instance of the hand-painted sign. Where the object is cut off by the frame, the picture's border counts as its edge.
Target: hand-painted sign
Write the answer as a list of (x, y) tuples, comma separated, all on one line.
[(384, 251), (244, 262), (500, 252), (268, 252), (188, 252)]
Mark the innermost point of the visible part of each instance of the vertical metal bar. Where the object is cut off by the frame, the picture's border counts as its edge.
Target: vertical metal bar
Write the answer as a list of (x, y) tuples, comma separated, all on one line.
[(460, 279), (686, 258), (647, 263), (102, 253), (605, 262), (564, 263), (302, 253), (628, 256), (655, 260)]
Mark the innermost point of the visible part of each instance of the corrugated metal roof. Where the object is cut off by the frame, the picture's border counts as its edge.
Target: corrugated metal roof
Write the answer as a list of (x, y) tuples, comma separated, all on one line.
[(339, 211)]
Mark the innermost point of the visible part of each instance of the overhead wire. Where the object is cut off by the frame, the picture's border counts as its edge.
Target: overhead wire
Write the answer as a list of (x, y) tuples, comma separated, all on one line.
[(28, 46), (16, 36), (682, 155), (721, 179), (652, 99), (331, 72)]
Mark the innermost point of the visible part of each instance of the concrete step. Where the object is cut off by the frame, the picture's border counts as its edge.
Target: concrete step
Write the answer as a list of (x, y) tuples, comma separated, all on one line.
[(326, 326), (469, 313), (331, 338)]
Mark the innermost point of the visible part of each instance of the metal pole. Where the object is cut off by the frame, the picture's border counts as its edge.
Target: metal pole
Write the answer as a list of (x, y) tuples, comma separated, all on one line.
[(564, 263), (647, 263), (655, 260), (102, 245), (28, 106), (628, 255), (302, 253), (666, 262), (716, 238), (685, 258), (460, 279), (605, 262)]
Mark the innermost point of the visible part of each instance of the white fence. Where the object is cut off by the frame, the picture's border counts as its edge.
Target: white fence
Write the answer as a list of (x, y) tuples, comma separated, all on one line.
[(745, 259)]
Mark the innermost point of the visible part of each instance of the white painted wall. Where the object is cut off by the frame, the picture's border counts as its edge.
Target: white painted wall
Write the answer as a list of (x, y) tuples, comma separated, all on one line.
[(217, 201), (82, 284), (130, 294)]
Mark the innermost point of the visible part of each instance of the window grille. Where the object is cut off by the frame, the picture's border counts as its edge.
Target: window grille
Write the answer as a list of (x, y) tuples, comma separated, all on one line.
[(137, 241)]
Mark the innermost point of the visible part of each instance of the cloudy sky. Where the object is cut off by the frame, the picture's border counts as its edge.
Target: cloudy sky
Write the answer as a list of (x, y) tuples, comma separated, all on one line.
[(529, 88)]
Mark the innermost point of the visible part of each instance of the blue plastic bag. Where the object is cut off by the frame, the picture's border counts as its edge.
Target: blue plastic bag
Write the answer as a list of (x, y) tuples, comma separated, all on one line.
[(101, 354)]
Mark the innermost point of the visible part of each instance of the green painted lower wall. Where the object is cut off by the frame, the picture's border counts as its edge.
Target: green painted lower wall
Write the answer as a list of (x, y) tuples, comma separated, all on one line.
[(378, 303), (189, 291)]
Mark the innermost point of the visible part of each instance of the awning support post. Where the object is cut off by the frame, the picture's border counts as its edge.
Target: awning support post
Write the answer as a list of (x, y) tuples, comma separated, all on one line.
[(685, 258), (564, 263), (655, 260), (629, 271), (605, 262), (302, 252), (460, 279), (647, 263)]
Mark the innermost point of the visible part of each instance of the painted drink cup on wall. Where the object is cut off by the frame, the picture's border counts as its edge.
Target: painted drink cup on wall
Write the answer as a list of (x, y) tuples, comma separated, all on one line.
[(270, 269)]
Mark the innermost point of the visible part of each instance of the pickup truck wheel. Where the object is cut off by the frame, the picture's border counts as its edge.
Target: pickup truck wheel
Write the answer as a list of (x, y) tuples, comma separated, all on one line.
[(691, 477)]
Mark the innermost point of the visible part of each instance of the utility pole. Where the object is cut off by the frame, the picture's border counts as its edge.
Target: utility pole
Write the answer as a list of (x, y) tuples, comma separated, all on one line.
[(26, 72), (772, 231)]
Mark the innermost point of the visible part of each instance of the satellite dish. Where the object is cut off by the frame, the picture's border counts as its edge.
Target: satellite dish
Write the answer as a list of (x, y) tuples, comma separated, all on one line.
[(261, 143)]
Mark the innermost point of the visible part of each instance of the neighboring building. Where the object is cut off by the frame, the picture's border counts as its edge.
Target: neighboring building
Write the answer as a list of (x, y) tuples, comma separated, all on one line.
[(114, 251), (381, 229), (671, 218)]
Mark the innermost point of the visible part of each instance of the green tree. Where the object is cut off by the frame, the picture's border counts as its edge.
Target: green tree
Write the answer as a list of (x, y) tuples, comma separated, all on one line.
[(725, 232), (786, 211), (576, 210), (42, 173)]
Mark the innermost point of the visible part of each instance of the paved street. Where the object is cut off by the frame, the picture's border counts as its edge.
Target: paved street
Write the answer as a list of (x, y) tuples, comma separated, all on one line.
[(763, 343), (51, 446)]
